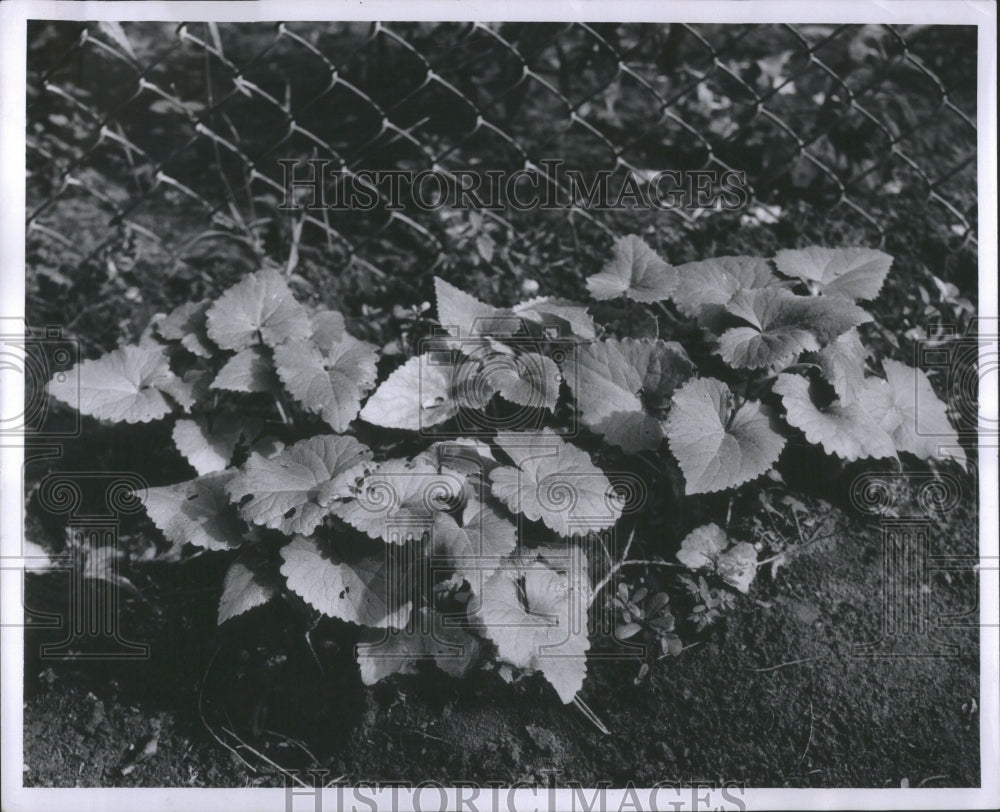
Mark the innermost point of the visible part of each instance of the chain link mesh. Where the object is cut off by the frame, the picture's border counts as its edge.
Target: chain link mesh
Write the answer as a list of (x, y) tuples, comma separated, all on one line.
[(160, 143)]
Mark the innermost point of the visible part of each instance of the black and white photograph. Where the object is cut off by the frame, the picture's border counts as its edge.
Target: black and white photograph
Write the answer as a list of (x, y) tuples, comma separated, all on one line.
[(472, 406)]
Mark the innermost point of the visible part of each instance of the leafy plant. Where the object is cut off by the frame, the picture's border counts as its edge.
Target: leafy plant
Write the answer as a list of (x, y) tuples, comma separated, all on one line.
[(453, 510)]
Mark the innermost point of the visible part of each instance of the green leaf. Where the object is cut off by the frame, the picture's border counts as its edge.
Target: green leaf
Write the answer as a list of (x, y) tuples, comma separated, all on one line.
[(843, 365), (283, 492), (356, 586), (259, 307), (718, 444), (126, 384), (738, 566), (186, 324), (247, 585), (852, 431), (424, 392), (190, 388), (463, 455), (635, 271), (206, 452), (570, 318), (555, 482), (705, 548), (916, 419), (478, 545), (400, 500), (453, 649), (528, 379), (626, 630), (854, 273), (249, 370), (329, 382), (713, 282), (327, 328), (383, 653), (209, 451), (622, 387), (464, 316), (781, 325), (702, 546), (538, 620), (196, 512)]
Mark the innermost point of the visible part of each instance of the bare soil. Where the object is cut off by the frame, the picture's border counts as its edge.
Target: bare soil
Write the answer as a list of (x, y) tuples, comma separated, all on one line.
[(776, 696)]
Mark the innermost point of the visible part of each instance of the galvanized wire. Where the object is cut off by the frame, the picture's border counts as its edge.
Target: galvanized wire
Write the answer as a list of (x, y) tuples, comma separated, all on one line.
[(168, 138)]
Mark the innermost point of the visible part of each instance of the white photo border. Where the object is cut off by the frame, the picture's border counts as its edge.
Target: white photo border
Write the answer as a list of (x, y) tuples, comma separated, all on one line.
[(14, 15)]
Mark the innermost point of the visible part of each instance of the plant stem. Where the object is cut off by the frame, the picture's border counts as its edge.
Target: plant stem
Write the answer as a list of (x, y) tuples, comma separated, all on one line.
[(649, 562), (629, 562), (614, 569), (812, 540), (281, 411)]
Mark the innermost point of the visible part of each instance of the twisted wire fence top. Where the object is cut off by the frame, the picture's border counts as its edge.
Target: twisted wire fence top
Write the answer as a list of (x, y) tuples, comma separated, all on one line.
[(157, 144)]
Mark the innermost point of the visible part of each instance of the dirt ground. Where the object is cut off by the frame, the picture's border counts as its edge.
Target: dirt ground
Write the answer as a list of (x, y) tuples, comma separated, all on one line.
[(776, 696)]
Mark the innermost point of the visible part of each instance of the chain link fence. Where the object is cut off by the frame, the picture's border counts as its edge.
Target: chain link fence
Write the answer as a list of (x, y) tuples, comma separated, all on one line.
[(153, 149)]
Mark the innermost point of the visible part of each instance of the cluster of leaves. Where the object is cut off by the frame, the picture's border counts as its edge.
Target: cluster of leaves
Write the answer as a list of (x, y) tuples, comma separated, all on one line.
[(473, 550), (787, 329)]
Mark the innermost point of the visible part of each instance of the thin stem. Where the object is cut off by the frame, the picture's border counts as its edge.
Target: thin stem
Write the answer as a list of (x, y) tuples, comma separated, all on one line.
[(592, 717), (783, 665), (614, 569), (263, 758), (281, 411), (652, 466), (629, 562), (649, 562), (812, 540)]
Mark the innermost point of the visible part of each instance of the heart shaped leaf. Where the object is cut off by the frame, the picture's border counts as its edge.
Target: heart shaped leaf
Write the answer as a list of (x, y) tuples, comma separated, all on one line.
[(425, 391), (554, 482), (853, 273), (781, 325), (717, 443), (127, 384), (331, 381), (702, 546), (623, 387), (196, 512), (635, 271), (537, 618), (260, 307), (852, 431), (916, 419), (713, 282), (250, 370), (400, 500), (283, 492), (356, 586)]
